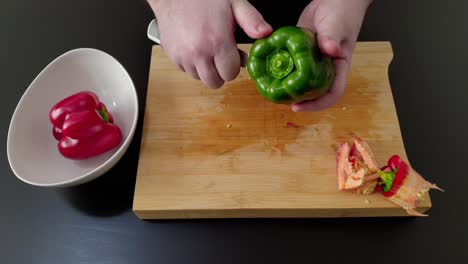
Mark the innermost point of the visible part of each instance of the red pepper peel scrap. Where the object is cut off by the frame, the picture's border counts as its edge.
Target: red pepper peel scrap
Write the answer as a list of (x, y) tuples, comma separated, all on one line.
[(291, 124), (355, 165), (390, 182), (83, 126), (397, 181)]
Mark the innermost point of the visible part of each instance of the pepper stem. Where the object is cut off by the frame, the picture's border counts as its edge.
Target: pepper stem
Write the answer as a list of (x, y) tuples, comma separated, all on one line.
[(279, 64), (387, 179), (103, 113)]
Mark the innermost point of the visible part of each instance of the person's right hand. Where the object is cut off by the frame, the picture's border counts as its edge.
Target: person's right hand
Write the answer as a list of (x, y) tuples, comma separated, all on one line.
[(198, 35)]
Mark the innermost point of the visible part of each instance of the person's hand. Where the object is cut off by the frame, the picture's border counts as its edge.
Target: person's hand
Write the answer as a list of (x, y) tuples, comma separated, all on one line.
[(337, 24), (198, 35)]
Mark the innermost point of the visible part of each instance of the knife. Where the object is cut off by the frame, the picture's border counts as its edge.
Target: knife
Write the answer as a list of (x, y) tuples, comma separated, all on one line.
[(153, 34)]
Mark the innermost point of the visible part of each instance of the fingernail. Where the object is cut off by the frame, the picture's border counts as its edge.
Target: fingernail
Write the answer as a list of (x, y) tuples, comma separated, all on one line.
[(263, 27), (295, 108)]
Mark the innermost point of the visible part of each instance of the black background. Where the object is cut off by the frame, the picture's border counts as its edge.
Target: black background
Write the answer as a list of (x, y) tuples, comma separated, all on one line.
[(93, 223)]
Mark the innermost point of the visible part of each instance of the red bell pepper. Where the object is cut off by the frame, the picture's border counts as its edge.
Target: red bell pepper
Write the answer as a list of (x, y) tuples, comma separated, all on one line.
[(392, 180), (83, 126)]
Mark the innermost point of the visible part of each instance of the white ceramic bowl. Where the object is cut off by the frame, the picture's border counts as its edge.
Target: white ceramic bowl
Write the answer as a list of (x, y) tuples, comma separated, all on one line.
[(31, 147)]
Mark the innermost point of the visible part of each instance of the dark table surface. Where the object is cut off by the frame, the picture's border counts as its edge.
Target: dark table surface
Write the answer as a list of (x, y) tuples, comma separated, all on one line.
[(94, 223)]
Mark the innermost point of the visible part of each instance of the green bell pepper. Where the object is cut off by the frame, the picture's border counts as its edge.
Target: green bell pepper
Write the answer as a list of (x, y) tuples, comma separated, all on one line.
[(288, 66)]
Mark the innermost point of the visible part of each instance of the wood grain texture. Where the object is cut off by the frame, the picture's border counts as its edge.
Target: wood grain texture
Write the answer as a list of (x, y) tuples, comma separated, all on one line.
[(228, 153)]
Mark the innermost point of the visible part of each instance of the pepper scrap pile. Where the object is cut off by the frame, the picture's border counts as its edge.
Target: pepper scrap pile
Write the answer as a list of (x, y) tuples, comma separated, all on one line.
[(83, 126), (357, 170)]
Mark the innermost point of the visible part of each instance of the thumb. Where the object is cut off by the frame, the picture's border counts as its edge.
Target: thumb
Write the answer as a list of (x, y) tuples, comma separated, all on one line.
[(329, 46), (331, 37), (250, 20)]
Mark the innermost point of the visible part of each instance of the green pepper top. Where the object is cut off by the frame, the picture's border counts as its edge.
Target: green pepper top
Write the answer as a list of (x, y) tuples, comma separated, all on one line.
[(288, 66)]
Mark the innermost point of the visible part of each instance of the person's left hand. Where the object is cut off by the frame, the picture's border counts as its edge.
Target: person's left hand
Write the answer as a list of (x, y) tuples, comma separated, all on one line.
[(337, 24)]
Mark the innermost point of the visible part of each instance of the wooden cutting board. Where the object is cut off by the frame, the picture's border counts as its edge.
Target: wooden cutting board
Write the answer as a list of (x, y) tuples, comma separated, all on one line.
[(229, 153)]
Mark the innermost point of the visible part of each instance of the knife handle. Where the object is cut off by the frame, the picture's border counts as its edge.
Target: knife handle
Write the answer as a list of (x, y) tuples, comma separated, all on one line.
[(244, 56)]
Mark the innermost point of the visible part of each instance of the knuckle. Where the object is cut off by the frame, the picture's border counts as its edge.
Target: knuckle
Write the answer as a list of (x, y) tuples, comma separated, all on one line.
[(232, 74), (195, 53), (252, 13), (194, 74), (218, 84), (216, 42), (175, 57), (176, 61), (214, 83), (228, 65)]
